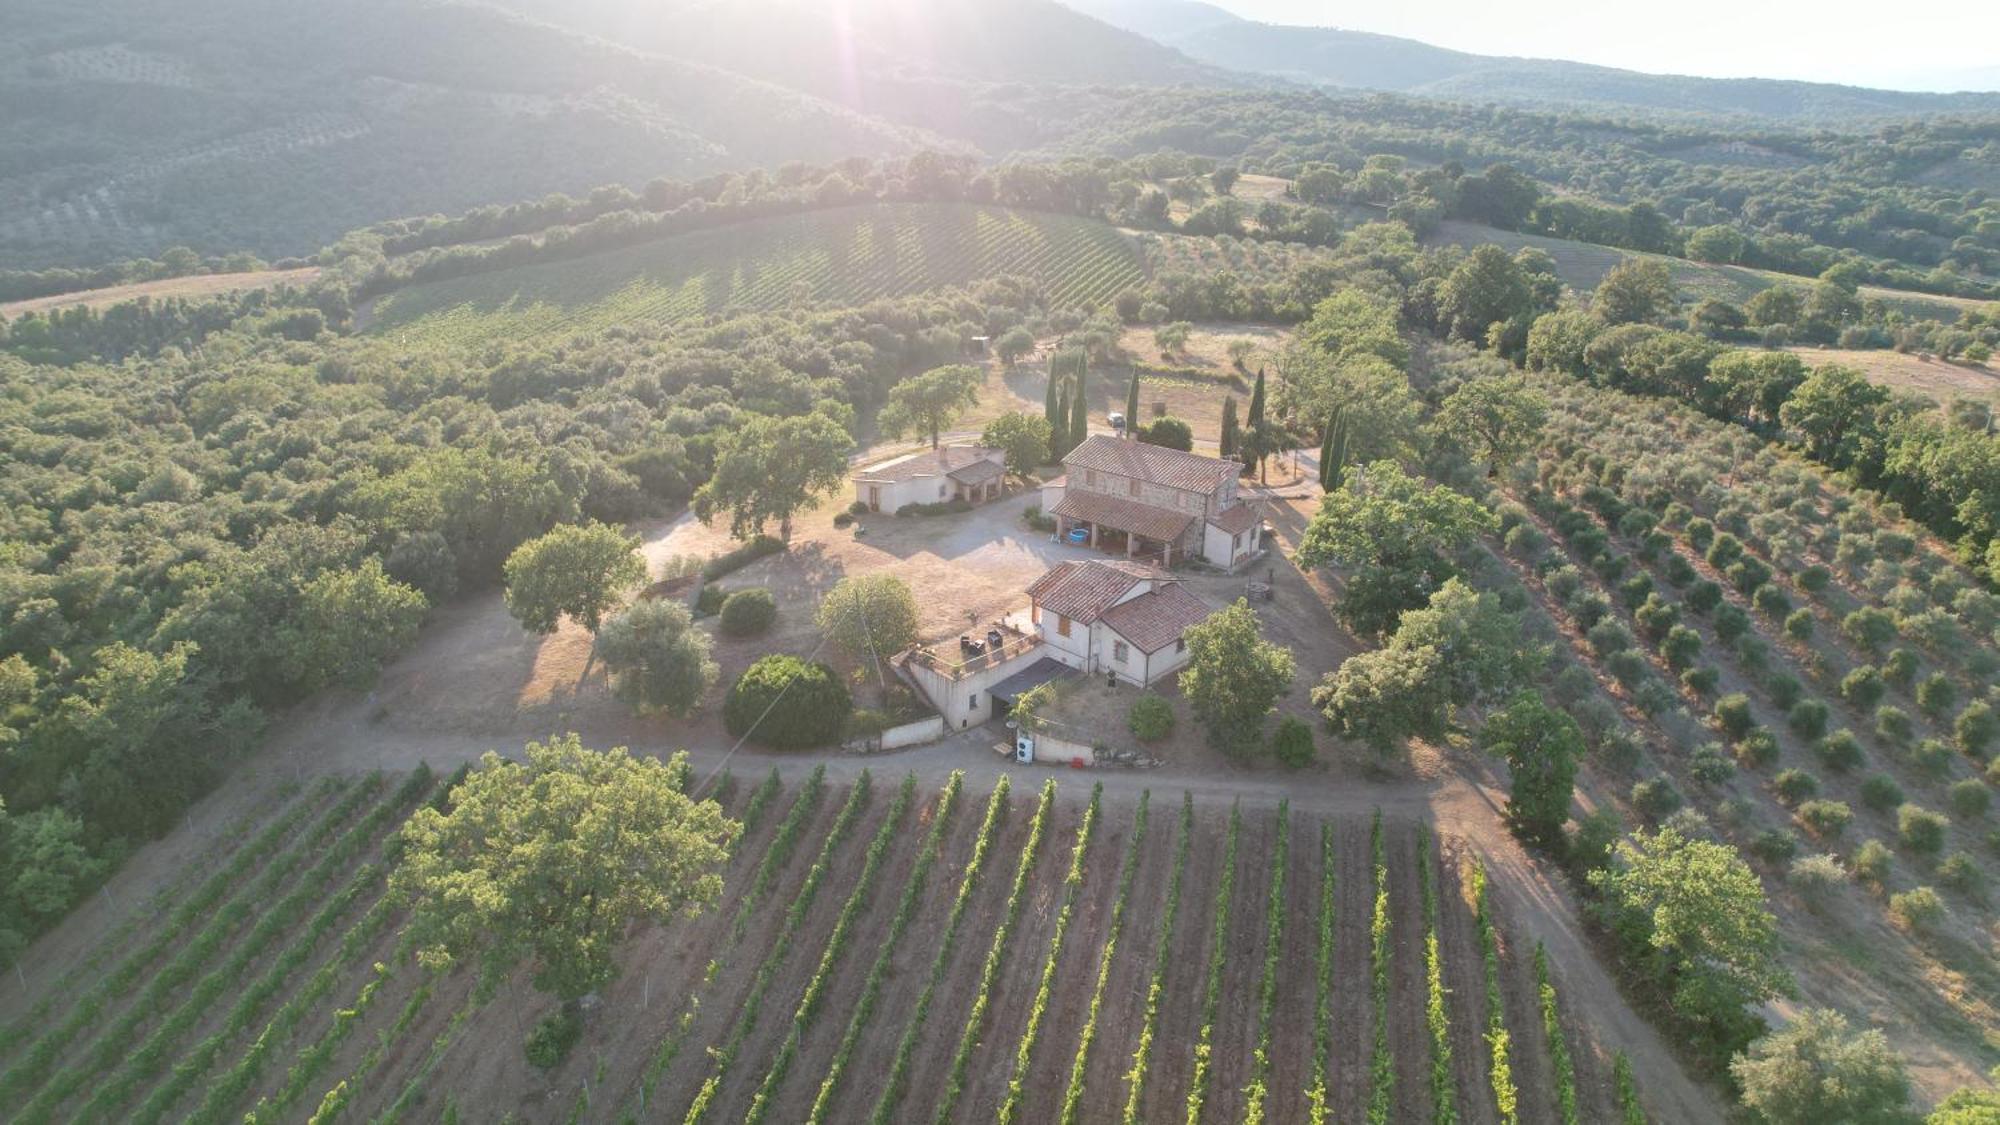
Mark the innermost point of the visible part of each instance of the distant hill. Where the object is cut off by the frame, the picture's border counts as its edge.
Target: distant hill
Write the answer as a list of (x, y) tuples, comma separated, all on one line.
[(129, 126), (1358, 59)]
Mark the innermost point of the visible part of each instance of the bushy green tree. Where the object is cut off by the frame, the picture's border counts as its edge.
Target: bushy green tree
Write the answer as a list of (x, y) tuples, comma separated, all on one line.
[(656, 657), (348, 622), (1542, 746), (929, 403), (1816, 1069), (872, 616), (1234, 677), (1497, 419), (579, 571), (1399, 535), (772, 469), (1024, 439), (552, 860), (787, 704)]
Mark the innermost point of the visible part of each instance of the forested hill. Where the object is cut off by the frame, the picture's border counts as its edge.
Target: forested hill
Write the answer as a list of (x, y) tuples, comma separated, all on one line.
[(273, 126), (1361, 60), (861, 53)]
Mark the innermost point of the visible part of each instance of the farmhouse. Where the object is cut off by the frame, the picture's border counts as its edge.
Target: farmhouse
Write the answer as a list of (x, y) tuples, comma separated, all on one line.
[(1114, 616), (973, 473), (1099, 616), (1155, 504)]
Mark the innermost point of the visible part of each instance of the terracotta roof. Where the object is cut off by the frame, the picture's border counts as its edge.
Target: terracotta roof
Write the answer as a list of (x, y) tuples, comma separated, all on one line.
[(1236, 519), (1081, 591), (1155, 620), (1128, 516), (979, 472), (1155, 464), (926, 463)]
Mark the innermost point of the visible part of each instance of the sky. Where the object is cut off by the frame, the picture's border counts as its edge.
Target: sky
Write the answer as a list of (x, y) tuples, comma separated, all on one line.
[(1910, 45)]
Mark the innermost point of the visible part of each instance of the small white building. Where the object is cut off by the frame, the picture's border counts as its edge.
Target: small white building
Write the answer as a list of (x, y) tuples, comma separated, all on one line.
[(1114, 616), (973, 473)]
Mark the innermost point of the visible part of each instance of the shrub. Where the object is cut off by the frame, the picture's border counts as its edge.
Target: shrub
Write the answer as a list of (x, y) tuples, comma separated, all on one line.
[(1628, 666), (1681, 646), (1825, 818), (1524, 541), (1711, 764), (1976, 727), (1655, 797), (1702, 680), (1772, 603), (1619, 747), (1840, 751), (1872, 861), (1758, 748), (1653, 697), (1032, 515), (748, 612), (1969, 799), (1814, 578), (553, 1037), (1917, 909), (787, 704), (1931, 756), (1151, 718), (1774, 845), (1900, 668), (1794, 785), (1816, 877), (1893, 724), (709, 602), (1785, 690), (1293, 742), (1680, 572), (1607, 637), (1703, 597), (1808, 717), (1753, 654), (1752, 577), (763, 546), (1921, 830), (1961, 873), (1590, 608), (1799, 626), (1936, 695), (1563, 583), (1635, 590), (1732, 711), (1700, 533), (1731, 623), (1655, 617), (1881, 793), (1869, 627)]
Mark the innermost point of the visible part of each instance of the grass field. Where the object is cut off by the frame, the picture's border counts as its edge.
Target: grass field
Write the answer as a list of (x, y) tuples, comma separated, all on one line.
[(1582, 265), (882, 950), (848, 256), (1907, 372)]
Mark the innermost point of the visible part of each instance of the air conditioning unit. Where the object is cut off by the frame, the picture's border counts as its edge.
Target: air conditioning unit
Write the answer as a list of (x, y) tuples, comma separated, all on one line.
[(1024, 747)]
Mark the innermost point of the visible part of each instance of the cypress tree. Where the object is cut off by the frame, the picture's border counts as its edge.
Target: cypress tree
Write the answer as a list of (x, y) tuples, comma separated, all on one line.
[(1132, 407), (1333, 454), (1059, 430), (1079, 418), (1052, 399), (1229, 427), (1256, 438)]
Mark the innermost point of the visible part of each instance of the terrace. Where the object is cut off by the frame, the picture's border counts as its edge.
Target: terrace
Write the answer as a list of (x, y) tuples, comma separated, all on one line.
[(973, 654)]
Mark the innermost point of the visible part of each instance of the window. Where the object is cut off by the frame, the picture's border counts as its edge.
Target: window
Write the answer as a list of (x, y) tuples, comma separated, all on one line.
[(972, 702), (1180, 644), (1062, 625), (1090, 477), (1132, 486), (941, 490), (1119, 651)]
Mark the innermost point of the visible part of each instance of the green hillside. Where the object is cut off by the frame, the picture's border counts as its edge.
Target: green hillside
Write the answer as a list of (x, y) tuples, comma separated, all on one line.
[(1582, 265), (846, 256)]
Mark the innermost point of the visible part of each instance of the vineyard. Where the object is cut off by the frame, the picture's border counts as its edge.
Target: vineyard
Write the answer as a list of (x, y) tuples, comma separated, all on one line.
[(1762, 655), (846, 256), (881, 952)]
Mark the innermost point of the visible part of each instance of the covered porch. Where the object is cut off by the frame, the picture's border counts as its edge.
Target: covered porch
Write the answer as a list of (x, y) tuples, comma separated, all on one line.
[(1140, 532), (978, 482)]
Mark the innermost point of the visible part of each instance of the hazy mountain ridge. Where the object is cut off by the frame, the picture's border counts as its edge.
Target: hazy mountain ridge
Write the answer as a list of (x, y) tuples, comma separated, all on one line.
[(1359, 59)]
